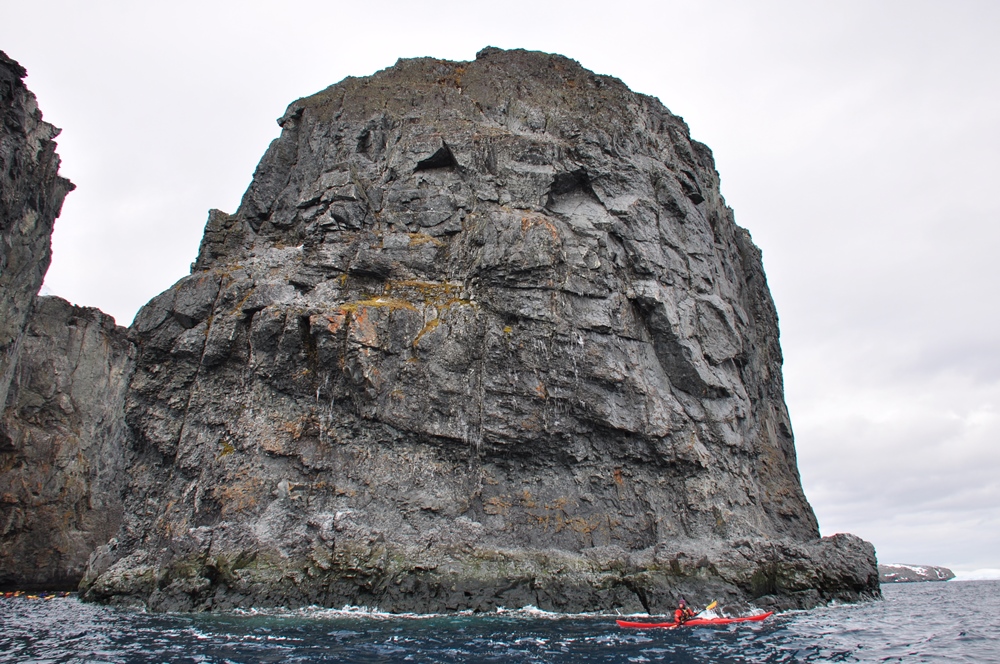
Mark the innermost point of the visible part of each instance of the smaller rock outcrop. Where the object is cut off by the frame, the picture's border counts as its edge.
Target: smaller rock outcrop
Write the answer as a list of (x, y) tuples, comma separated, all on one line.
[(61, 463), (890, 573), (31, 196)]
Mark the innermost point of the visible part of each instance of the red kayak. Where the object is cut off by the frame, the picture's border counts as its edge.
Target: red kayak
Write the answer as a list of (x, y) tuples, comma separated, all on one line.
[(694, 622)]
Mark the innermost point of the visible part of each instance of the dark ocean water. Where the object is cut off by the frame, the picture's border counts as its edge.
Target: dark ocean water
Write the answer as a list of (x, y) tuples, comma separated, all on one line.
[(928, 622)]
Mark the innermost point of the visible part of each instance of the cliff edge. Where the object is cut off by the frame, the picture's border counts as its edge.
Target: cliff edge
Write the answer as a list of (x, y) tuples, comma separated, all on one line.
[(31, 196), (480, 334)]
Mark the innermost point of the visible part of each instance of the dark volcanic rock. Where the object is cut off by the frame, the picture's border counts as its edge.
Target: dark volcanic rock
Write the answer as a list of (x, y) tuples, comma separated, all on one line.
[(911, 573), (59, 446), (61, 471), (31, 195), (480, 334)]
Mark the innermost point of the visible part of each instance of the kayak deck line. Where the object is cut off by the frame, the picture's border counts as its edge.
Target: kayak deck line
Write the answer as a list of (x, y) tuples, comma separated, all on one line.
[(45, 594), (694, 622)]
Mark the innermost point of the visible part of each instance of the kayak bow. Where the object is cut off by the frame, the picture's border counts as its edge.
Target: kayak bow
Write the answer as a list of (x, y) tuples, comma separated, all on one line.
[(694, 622)]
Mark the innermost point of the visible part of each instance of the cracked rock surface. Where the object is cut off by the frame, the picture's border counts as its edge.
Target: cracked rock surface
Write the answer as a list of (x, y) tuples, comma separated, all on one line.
[(480, 334)]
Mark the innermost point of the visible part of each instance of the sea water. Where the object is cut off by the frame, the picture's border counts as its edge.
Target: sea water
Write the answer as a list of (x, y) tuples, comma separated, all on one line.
[(957, 621)]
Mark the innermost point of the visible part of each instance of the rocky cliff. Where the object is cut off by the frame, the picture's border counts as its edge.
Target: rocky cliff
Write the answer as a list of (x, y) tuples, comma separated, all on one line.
[(31, 196), (61, 472), (480, 334), (59, 444)]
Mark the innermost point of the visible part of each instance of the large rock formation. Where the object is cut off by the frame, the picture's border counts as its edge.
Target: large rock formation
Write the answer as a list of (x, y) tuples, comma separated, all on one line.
[(480, 333), (61, 473), (31, 196)]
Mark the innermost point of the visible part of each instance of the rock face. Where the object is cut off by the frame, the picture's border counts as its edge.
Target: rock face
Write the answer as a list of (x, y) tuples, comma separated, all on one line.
[(31, 196), (480, 334), (888, 573), (61, 373), (61, 472)]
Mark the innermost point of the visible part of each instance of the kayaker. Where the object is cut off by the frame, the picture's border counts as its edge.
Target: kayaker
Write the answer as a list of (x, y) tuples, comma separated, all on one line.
[(683, 613)]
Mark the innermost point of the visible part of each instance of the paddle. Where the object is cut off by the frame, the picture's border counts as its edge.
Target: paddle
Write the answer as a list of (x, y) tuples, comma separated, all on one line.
[(707, 608)]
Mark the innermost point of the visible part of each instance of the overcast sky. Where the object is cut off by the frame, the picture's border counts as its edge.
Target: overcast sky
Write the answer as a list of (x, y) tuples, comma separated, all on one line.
[(858, 141)]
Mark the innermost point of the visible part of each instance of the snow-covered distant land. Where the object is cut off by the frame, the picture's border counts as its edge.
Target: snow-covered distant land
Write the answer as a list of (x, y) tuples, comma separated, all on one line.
[(987, 574), (896, 573)]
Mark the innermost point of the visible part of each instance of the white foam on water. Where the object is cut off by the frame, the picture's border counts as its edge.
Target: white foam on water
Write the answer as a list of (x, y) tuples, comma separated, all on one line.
[(531, 611), (347, 611), (368, 612)]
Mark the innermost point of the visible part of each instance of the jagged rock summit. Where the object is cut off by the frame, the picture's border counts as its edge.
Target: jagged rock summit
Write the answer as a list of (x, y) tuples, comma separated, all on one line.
[(480, 334)]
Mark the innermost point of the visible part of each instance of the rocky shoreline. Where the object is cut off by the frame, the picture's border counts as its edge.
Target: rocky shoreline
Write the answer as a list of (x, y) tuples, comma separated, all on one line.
[(740, 574)]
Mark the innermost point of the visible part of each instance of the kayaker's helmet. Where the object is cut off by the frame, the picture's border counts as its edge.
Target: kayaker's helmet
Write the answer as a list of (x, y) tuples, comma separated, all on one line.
[(682, 602)]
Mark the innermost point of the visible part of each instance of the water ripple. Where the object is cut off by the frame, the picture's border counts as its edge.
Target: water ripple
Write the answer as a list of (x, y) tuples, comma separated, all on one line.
[(931, 622)]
